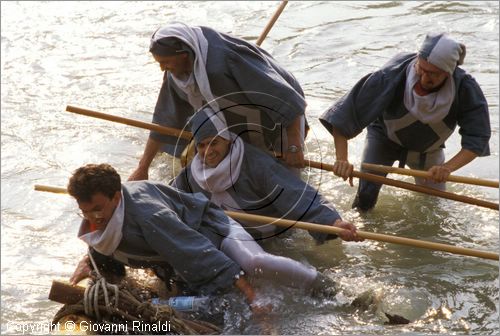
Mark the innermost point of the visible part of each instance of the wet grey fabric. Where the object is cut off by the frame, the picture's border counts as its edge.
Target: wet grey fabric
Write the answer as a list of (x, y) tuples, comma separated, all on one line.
[(266, 187), (242, 248), (382, 151), (165, 226), (243, 75), (377, 99), (376, 103)]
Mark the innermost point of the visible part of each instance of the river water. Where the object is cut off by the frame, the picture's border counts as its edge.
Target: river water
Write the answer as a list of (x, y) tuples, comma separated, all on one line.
[(94, 54)]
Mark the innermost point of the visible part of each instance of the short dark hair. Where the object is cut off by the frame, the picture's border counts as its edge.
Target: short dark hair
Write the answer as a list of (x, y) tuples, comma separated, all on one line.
[(92, 179)]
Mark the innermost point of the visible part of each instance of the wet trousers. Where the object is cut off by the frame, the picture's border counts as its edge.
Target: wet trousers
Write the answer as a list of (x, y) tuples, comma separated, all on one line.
[(244, 250), (380, 150)]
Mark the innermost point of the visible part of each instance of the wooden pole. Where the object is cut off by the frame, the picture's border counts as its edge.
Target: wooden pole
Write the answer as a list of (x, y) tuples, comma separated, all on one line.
[(131, 122), (318, 165), (425, 174), (336, 230), (46, 188), (271, 22), (56, 190), (410, 186), (363, 234)]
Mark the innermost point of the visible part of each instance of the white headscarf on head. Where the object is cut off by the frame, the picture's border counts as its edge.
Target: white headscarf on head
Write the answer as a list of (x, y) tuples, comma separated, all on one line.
[(442, 51), (199, 85)]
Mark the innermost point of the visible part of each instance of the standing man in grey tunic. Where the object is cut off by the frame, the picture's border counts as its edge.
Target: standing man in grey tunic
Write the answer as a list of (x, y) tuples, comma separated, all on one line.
[(410, 107), (205, 67)]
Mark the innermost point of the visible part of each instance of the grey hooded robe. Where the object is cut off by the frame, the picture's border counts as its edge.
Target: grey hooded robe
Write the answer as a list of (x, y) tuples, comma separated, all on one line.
[(265, 187), (246, 76)]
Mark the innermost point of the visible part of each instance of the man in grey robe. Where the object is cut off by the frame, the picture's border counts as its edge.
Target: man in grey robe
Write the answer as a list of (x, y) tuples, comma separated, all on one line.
[(204, 67), (239, 177), (150, 225), (145, 224), (410, 107)]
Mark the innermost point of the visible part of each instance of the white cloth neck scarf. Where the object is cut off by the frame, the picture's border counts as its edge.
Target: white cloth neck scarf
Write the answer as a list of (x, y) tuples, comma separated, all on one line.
[(106, 242), (217, 180), (433, 107), (192, 91), (194, 38)]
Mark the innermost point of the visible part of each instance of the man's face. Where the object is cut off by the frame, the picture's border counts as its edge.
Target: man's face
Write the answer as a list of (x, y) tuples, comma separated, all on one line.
[(431, 77), (213, 150), (178, 65), (100, 209)]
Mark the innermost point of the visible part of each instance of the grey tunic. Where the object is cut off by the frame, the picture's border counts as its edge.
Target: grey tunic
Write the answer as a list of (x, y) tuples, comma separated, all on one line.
[(165, 227), (265, 187), (255, 90), (377, 100)]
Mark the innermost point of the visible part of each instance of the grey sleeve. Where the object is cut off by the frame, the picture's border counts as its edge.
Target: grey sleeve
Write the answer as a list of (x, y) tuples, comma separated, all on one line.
[(170, 111), (185, 182), (300, 201), (253, 73), (192, 255), (368, 99), (357, 108), (474, 118), (181, 181)]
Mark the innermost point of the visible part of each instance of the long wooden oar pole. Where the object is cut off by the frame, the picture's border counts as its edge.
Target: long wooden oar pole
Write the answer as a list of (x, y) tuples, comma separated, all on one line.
[(319, 165), (131, 122), (335, 230), (410, 186), (425, 174), (363, 234), (271, 22)]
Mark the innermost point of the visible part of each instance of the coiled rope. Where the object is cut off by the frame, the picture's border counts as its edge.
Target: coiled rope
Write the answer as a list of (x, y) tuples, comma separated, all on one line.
[(118, 304), (91, 296)]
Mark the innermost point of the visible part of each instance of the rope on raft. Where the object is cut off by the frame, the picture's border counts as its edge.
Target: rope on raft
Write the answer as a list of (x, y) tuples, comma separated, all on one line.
[(92, 293), (112, 304)]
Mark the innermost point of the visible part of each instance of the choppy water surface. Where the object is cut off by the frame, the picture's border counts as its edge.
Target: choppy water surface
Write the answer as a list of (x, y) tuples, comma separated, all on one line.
[(94, 54)]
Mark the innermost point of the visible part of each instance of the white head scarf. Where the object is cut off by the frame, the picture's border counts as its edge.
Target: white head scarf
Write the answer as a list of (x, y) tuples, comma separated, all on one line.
[(194, 38)]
